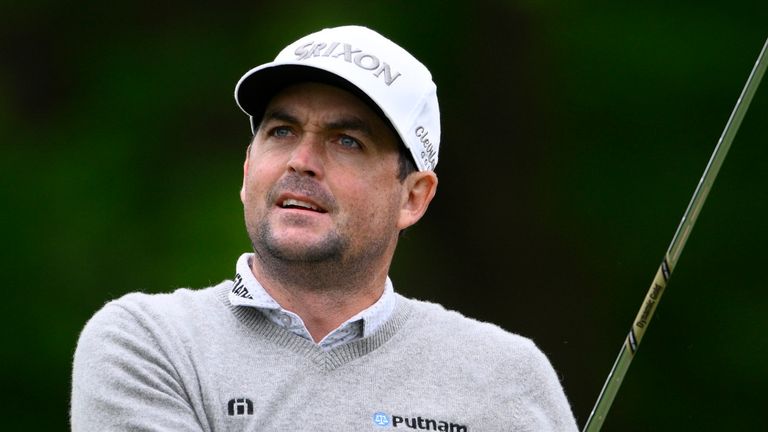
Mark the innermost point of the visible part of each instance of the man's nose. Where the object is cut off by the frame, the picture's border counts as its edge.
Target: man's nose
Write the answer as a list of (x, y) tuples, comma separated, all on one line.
[(307, 156)]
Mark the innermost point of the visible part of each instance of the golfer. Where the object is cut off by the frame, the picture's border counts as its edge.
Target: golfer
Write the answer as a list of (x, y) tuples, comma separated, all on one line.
[(310, 334)]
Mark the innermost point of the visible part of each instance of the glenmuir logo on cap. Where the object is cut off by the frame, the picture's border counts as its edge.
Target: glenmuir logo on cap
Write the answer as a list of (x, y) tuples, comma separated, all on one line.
[(428, 154), (349, 54)]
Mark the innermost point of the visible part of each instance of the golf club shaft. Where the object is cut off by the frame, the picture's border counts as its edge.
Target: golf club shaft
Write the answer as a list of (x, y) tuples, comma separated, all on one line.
[(652, 298)]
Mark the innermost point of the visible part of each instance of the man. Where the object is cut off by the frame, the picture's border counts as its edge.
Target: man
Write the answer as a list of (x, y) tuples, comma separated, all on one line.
[(310, 334)]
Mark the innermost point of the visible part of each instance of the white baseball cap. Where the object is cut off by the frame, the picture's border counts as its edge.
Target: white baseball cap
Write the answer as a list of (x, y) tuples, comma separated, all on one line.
[(387, 77)]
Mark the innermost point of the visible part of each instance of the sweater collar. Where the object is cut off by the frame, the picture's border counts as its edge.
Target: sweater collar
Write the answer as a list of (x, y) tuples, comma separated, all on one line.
[(330, 359)]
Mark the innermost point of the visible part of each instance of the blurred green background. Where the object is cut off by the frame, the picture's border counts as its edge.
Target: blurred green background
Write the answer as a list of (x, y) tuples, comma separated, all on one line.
[(574, 134)]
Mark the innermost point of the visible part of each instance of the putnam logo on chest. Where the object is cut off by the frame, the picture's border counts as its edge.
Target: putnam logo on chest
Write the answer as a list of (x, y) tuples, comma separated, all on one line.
[(418, 423)]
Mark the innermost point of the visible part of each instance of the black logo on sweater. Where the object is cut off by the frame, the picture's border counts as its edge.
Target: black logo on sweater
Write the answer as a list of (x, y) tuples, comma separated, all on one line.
[(239, 288), (241, 406)]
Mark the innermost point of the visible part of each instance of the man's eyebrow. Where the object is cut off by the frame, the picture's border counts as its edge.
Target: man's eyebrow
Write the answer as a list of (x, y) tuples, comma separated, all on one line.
[(350, 123), (280, 115)]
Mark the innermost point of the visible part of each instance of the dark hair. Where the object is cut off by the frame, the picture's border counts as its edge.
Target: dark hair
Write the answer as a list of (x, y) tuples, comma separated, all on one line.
[(405, 162)]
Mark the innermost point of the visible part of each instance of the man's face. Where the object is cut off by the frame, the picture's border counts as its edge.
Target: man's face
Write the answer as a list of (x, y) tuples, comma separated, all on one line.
[(320, 180)]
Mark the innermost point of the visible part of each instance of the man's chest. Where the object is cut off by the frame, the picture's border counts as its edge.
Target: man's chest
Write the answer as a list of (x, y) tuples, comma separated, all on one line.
[(288, 396)]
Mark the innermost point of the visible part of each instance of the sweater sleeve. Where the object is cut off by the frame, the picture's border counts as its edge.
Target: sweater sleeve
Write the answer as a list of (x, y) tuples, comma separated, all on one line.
[(548, 406), (124, 379)]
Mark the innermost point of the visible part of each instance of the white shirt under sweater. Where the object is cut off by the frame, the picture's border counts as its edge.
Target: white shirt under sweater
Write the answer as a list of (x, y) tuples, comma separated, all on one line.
[(192, 361), (249, 292)]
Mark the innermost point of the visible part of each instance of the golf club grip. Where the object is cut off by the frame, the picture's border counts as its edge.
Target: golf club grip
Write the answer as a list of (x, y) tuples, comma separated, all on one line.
[(659, 284)]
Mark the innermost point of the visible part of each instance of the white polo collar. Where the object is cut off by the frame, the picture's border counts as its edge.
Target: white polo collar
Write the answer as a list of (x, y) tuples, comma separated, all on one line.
[(247, 291)]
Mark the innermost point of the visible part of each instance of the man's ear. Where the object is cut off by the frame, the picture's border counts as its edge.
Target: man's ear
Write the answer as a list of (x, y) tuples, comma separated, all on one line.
[(418, 190), (245, 172)]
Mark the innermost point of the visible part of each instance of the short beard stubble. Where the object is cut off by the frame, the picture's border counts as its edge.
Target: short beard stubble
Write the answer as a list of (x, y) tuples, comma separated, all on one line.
[(329, 265)]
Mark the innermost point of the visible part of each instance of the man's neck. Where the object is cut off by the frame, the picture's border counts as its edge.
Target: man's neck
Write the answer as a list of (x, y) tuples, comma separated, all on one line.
[(323, 303)]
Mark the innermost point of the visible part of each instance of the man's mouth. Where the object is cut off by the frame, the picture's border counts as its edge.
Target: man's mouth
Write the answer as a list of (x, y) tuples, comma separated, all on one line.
[(298, 204)]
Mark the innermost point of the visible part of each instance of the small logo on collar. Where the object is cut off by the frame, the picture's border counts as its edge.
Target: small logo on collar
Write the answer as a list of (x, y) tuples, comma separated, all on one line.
[(239, 288)]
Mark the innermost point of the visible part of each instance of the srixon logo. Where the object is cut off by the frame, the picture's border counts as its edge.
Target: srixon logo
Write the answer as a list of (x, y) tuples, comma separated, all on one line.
[(418, 423), (346, 52)]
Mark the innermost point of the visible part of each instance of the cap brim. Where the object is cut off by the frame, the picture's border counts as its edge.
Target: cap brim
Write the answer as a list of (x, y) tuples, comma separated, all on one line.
[(260, 85)]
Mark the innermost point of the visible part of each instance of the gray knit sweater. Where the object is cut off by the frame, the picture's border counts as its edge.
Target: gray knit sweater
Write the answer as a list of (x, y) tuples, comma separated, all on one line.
[(190, 361)]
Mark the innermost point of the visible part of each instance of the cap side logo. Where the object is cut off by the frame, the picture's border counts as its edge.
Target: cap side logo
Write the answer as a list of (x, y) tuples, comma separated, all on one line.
[(428, 154)]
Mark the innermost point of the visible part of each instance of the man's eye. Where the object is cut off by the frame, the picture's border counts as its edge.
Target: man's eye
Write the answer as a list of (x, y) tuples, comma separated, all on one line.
[(349, 142), (281, 131)]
